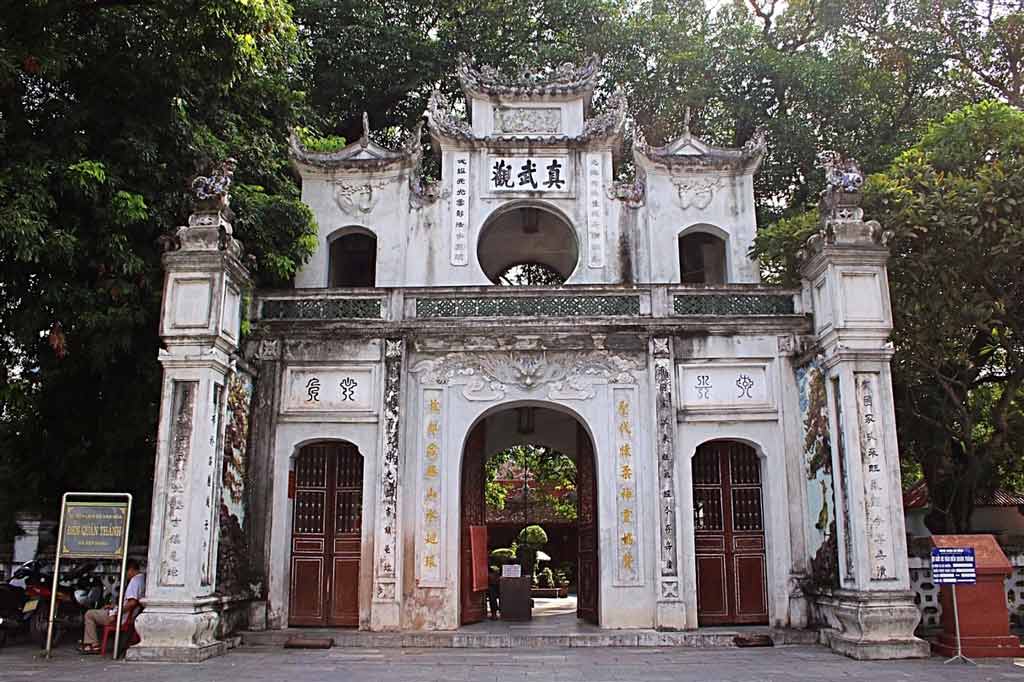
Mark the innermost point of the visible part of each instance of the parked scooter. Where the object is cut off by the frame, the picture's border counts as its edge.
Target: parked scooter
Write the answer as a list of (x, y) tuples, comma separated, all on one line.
[(79, 592), (15, 614)]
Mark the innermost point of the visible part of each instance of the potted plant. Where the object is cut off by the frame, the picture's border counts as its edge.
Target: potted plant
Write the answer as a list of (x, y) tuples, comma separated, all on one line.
[(531, 539)]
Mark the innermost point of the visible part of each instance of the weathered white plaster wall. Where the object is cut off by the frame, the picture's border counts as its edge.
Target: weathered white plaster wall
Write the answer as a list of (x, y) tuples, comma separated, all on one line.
[(761, 427)]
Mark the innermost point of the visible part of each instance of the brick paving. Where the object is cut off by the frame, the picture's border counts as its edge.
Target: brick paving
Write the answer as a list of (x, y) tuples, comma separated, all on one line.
[(265, 664)]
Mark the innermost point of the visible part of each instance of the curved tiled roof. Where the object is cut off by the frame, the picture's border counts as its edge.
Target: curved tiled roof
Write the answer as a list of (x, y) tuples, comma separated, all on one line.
[(566, 79), (916, 497)]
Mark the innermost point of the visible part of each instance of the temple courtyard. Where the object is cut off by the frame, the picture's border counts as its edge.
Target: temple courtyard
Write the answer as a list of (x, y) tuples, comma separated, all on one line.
[(256, 663)]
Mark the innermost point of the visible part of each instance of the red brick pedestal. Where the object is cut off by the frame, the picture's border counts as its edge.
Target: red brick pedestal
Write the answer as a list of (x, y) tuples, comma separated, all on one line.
[(984, 618)]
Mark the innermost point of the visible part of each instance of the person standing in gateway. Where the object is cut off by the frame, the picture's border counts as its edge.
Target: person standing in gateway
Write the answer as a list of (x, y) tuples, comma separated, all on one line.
[(96, 618)]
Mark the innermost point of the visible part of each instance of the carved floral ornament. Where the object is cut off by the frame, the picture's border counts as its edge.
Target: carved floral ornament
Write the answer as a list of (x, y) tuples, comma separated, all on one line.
[(566, 77), (566, 376), (696, 191), (357, 197)]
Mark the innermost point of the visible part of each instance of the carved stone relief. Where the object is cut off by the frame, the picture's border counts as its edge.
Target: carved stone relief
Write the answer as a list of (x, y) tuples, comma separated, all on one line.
[(527, 120), (695, 191), (564, 376), (357, 197)]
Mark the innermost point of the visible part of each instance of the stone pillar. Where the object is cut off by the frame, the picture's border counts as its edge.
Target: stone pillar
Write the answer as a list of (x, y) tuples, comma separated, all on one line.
[(200, 326), (671, 610), (872, 614), (385, 613)]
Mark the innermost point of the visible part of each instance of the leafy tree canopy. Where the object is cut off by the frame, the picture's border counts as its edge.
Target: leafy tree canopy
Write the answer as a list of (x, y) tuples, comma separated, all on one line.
[(957, 287), (107, 111)]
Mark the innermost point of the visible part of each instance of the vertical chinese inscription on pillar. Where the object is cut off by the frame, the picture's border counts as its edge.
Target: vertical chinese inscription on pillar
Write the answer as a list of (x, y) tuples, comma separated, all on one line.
[(460, 209), (595, 210), (876, 480), (844, 481), (384, 589), (627, 537), (172, 554), (666, 416), (212, 485), (431, 512)]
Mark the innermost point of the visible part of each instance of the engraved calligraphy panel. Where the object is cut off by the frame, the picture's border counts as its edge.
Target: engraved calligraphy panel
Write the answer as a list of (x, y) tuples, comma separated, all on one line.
[(173, 550), (594, 170), (627, 505), (386, 551), (877, 509), (328, 389), (459, 209), (706, 385), (528, 174), (430, 526)]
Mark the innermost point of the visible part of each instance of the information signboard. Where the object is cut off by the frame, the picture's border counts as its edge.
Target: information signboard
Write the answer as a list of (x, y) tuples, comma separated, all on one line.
[(953, 566), (94, 530)]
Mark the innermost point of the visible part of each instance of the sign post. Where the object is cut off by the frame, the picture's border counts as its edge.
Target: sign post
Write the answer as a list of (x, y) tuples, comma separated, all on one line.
[(954, 566), (92, 528)]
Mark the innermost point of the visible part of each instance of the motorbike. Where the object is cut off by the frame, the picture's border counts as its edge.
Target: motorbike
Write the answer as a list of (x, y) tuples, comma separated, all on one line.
[(80, 591)]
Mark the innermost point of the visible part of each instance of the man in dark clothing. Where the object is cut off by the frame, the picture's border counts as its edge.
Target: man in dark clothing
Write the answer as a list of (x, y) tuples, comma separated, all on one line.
[(493, 585)]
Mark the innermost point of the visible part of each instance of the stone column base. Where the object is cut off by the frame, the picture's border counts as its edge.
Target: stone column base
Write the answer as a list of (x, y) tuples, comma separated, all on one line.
[(871, 625), (671, 616), (385, 617), (178, 632)]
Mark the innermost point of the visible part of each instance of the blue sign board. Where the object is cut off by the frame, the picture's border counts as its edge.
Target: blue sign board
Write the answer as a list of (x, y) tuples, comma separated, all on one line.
[(953, 566)]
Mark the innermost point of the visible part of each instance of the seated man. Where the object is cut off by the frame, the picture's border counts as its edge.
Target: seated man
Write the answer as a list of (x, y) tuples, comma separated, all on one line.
[(96, 618)]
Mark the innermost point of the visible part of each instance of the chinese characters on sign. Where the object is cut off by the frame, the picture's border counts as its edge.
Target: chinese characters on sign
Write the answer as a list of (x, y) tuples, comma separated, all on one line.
[(460, 209), (595, 210), (528, 174), (876, 480), (627, 538), (432, 488)]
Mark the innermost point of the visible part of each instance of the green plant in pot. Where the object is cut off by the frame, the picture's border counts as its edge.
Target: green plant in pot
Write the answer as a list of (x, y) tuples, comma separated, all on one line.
[(531, 539)]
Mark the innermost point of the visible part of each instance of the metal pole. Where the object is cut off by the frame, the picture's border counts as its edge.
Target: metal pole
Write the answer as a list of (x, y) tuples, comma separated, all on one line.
[(959, 646), (56, 576), (124, 566)]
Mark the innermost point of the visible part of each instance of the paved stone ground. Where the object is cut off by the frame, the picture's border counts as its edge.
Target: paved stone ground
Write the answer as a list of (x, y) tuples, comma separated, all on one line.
[(18, 663)]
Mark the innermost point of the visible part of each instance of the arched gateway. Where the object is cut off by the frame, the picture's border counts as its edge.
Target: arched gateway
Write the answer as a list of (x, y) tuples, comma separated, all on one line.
[(535, 425), (633, 350)]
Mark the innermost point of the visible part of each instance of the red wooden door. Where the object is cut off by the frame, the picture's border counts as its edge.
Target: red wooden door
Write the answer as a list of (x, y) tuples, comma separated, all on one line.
[(729, 533), (472, 603), (588, 587), (326, 536)]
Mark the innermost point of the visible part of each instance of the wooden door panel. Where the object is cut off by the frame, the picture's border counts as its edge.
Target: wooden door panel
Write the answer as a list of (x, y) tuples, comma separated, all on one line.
[(345, 593), (729, 535), (588, 587), (750, 593), (712, 600), (472, 604), (326, 530), (306, 606)]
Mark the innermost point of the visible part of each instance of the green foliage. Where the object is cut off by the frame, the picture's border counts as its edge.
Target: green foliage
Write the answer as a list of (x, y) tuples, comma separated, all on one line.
[(533, 537), (319, 143), (107, 111), (504, 555), (547, 478)]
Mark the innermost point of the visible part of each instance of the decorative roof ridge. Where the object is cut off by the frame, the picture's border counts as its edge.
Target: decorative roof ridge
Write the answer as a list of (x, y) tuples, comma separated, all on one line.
[(363, 154), (702, 154), (564, 79), (607, 125)]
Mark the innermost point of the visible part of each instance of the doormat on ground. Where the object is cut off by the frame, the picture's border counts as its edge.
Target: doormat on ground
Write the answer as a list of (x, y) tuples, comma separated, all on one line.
[(753, 640), (308, 643)]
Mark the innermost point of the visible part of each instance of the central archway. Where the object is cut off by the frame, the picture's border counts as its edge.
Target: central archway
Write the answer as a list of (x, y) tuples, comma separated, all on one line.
[(528, 244), (552, 429)]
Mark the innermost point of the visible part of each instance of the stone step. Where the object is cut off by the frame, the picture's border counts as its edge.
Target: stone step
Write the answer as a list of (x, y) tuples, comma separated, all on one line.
[(698, 639)]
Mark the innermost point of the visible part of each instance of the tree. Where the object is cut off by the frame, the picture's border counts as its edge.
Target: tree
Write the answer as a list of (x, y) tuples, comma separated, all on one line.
[(957, 288), (108, 109), (546, 477)]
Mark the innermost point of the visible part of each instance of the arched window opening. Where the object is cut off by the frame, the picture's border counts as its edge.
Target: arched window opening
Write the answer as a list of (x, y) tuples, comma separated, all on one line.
[(531, 275), (701, 259), (528, 246), (353, 260)]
